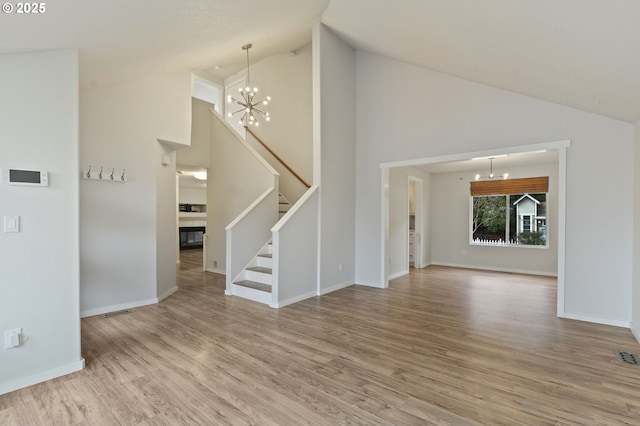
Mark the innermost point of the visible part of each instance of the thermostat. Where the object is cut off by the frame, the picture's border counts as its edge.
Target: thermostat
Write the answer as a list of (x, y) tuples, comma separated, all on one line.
[(25, 177)]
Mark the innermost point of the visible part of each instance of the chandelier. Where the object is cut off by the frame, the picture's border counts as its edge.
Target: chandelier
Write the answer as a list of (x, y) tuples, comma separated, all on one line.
[(249, 107), (491, 176)]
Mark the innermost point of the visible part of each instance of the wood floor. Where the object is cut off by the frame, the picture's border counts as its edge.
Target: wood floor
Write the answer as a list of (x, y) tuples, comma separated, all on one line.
[(440, 346)]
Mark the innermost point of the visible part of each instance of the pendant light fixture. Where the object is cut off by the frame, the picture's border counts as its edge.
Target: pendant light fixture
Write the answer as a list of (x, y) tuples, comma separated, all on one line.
[(491, 176), (250, 108)]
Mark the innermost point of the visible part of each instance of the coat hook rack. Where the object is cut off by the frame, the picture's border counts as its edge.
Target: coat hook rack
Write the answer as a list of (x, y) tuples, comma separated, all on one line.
[(105, 176)]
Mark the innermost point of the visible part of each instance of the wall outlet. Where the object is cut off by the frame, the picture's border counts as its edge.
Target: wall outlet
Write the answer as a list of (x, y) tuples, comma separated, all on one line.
[(340, 267), (215, 264), (12, 338)]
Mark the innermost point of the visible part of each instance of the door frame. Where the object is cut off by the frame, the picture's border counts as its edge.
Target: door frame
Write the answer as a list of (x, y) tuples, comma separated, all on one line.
[(560, 145), (419, 217)]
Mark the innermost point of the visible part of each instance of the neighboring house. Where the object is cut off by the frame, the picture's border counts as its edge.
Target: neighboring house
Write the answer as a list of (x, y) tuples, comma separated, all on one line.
[(530, 215)]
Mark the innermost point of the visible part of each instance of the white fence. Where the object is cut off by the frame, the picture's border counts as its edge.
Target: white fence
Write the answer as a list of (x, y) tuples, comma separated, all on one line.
[(480, 242)]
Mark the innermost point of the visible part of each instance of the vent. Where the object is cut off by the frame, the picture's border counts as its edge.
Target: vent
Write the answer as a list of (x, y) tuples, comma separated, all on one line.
[(116, 313), (627, 357)]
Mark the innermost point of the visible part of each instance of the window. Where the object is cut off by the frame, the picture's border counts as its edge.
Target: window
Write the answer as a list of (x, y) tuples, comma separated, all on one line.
[(508, 220)]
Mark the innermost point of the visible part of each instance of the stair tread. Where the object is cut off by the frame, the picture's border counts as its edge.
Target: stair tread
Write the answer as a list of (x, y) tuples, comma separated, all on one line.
[(254, 285), (260, 269), (269, 255)]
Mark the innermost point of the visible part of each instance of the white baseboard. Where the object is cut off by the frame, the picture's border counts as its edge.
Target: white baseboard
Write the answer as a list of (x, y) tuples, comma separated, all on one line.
[(335, 288), (217, 271), (24, 382), (634, 331), (398, 275), (596, 320), (167, 294), (115, 308), (369, 284), (489, 268), (293, 300)]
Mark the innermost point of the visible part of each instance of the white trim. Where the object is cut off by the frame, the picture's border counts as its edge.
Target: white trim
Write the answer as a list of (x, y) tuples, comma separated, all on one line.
[(566, 143), (634, 332), (489, 268), (398, 275), (596, 320), (44, 376), (336, 288), (293, 300), (248, 210), (217, 271), (115, 308), (370, 284), (561, 224), (297, 206), (418, 215), (250, 294), (316, 128), (384, 222), (167, 294)]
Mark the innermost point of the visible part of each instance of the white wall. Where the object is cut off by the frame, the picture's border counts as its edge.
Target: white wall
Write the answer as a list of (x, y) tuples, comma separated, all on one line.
[(121, 249), (458, 116), (39, 278), (334, 140), (287, 79), (197, 154), (191, 195), (635, 300), (450, 223)]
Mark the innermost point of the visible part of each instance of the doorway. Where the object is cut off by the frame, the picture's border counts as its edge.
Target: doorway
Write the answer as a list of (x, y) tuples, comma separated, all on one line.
[(559, 146), (415, 229)]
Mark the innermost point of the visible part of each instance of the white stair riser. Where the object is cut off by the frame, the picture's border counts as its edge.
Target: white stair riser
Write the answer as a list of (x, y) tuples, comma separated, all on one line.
[(251, 294), (268, 249), (259, 277), (266, 262)]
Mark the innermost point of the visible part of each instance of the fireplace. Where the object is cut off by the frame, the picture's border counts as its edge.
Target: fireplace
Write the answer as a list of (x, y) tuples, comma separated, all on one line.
[(191, 237)]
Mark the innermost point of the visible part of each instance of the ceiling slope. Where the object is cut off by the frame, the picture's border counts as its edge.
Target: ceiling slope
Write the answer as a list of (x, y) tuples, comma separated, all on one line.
[(579, 53), (121, 40)]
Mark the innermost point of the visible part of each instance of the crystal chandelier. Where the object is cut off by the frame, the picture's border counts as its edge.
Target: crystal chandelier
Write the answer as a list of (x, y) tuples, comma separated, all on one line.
[(249, 107)]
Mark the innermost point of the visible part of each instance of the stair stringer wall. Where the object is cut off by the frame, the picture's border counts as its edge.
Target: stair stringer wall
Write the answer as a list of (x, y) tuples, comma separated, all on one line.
[(237, 176)]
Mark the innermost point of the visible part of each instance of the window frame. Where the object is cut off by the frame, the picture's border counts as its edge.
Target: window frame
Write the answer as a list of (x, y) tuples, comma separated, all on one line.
[(508, 223)]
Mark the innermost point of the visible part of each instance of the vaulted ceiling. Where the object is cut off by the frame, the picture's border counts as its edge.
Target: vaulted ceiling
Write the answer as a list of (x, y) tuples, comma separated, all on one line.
[(579, 53)]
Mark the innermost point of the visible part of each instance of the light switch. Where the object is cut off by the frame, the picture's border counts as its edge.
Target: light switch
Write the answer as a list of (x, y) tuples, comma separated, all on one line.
[(12, 224), (12, 338)]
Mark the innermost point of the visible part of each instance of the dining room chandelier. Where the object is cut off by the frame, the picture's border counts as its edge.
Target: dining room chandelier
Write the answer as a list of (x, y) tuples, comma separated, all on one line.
[(250, 109), (491, 176)]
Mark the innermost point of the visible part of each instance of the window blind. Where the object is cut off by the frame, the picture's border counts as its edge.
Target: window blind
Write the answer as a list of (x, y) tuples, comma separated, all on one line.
[(533, 185)]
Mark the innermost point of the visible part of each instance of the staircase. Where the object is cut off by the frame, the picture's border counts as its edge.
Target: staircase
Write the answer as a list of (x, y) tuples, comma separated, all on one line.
[(254, 283), (283, 205)]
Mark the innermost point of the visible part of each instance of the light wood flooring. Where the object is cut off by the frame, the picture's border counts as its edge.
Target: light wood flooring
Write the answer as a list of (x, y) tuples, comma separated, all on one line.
[(440, 346)]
